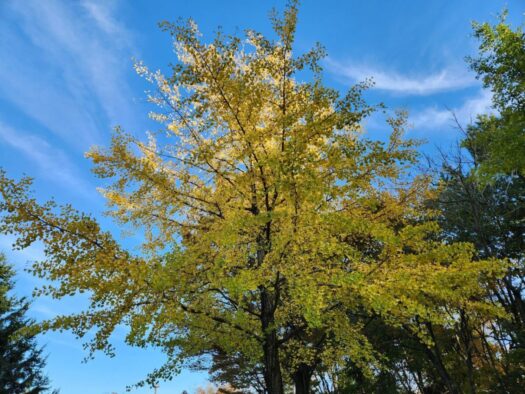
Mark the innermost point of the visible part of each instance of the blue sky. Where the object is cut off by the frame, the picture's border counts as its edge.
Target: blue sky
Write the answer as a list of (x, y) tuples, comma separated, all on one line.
[(66, 79)]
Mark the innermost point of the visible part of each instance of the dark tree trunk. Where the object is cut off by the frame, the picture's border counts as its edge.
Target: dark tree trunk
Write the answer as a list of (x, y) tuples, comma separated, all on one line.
[(434, 355), (272, 366), (445, 377), (466, 339), (436, 359), (302, 379)]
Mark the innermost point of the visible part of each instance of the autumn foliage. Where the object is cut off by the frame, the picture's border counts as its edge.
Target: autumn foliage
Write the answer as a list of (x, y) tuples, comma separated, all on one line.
[(275, 234)]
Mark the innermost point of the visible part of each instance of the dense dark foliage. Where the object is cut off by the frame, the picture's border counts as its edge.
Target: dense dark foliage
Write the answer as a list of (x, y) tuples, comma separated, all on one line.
[(21, 361)]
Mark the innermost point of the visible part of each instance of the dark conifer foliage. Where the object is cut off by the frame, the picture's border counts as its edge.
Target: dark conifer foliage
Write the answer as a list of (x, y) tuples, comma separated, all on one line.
[(21, 360)]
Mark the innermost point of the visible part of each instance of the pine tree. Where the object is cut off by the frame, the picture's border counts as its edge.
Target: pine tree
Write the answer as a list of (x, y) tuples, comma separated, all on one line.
[(21, 361)]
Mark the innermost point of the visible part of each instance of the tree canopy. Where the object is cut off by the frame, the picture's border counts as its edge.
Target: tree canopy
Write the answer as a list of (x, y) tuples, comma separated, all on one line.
[(480, 200), (274, 231), (500, 65)]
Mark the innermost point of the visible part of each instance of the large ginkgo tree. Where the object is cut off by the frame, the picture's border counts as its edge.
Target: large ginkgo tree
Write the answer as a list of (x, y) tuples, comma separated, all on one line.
[(272, 227)]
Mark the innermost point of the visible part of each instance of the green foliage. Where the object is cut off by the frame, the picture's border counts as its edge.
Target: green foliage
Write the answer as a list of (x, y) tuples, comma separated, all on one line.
[(21, 361), (501, 65), (501, 62)]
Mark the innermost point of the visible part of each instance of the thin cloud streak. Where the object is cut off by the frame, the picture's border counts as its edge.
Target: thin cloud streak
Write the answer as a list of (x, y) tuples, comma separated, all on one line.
[(20, 257), (435, 117), (102, 12), (447, 79), (50, 161), (81, 52)]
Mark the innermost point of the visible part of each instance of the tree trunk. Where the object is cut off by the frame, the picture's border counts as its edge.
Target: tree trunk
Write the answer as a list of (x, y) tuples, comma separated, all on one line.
[(272, 366), (447, 381), (466, 339), (437, 360), (302, 379)]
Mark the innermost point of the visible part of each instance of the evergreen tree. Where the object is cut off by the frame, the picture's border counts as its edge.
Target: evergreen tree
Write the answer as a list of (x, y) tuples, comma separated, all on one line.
[(21, 361)]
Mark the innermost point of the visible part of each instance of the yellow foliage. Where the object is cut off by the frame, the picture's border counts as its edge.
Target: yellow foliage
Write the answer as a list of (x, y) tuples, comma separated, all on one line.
[(260, 185)]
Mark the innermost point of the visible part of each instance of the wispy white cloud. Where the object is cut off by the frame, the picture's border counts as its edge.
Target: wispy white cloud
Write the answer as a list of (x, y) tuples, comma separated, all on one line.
[(44, 100), (50, 161), (439, 117), (103, 13), (44, 310), (448, 79), (21, 260), (65, 64), (20, 257)]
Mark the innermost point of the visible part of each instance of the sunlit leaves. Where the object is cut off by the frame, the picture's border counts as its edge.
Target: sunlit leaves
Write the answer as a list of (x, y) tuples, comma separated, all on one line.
[(259, 184)]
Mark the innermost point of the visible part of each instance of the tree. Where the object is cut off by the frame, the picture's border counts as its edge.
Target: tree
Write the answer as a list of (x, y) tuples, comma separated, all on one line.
[(490, 216), (501, 65), (236, 370), (21, 361), (272, 227), (481, 201)]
